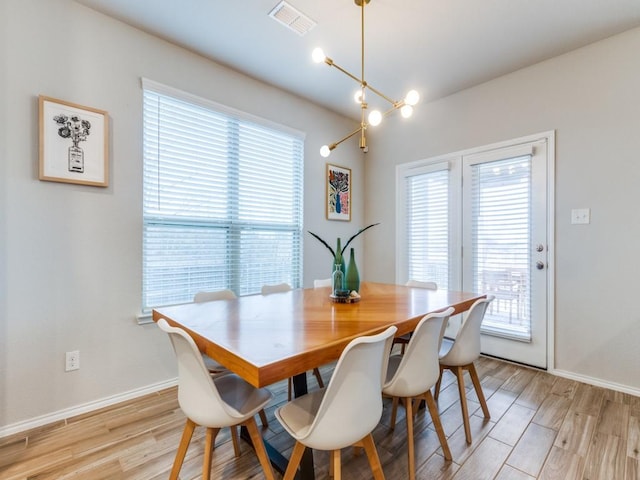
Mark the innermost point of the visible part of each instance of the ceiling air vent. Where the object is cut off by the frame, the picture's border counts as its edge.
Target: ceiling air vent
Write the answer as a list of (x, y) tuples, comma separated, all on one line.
[(292, 18)]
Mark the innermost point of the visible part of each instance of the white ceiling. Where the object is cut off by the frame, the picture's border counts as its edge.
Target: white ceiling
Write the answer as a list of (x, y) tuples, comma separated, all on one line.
[(435, 46)]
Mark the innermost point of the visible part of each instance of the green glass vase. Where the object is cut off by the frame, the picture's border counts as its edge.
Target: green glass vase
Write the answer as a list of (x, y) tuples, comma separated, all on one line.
[(352, 277), (339, 259)]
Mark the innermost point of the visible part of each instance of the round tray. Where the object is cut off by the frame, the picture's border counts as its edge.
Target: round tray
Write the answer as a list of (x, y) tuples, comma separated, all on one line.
[(335, 299)]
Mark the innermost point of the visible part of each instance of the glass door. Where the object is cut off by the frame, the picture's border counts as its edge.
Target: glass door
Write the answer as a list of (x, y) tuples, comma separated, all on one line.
[(505, 247)]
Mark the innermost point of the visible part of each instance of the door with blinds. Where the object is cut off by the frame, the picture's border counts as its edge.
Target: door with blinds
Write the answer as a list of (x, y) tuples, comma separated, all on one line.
[(505, 247), (481, 221)]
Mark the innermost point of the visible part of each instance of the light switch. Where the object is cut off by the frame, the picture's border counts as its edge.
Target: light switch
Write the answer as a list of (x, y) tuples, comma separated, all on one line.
[(580, 216)]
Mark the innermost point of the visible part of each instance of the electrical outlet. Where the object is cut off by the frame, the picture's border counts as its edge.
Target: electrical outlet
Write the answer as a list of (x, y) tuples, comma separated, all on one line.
[(580, 216), (72, 361)]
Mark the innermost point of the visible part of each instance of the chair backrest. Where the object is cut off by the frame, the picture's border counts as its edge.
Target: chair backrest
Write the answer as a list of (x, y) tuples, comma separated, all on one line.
[(198, 396), (419, 367), (280, 287), (352, 403), (466, 346), (419, 284), (216, 295), (324, 282)]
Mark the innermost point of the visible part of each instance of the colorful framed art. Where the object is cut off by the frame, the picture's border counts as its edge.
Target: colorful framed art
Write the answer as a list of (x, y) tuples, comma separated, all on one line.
[(338, 193)]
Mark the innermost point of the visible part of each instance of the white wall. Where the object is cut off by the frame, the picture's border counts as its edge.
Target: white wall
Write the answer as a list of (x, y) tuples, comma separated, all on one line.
[(70, 264), (591, 98), (70, 255)]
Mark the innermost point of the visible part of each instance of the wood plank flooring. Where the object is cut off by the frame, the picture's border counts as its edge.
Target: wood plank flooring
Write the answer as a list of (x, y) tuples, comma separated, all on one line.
[(541, 427)]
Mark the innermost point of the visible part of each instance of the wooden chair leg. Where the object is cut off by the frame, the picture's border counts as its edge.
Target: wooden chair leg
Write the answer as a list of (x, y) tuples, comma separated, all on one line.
[(463, 402), (289, 388), (187, 433), (335, 467), (263, 418), (372, 455), (258, 445), (316, 372), (209, 442), (394, 411), (331, 460), (438, 383), (435, 417), (478, 387), (235, 441), (294, 461), (408, 404)]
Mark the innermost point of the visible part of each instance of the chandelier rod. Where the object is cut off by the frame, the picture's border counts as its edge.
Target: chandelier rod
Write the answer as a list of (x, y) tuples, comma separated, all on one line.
[(363, 103)]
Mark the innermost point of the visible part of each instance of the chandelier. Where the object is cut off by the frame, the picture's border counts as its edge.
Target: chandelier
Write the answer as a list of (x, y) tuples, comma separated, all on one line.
[(375, 116)]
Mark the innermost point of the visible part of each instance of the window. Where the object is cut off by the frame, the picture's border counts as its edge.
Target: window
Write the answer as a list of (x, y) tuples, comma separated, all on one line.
[(222, 204), (427, 224)]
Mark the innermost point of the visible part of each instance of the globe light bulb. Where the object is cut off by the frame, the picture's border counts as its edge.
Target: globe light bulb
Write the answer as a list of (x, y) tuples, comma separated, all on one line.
[(412, 97), (325, 151), (406, 111), (318, 55), (358, 96), (375, 117)]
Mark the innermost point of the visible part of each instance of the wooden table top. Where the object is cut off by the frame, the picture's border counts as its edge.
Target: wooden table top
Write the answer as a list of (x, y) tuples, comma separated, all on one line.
[(267, 338)]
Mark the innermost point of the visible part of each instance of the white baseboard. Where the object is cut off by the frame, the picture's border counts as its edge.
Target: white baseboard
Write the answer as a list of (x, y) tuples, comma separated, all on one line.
[(35, 422), (597, 382), (7, 430)]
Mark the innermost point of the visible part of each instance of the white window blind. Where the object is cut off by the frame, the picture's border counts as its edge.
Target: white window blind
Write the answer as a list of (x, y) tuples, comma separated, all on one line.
[(501, 216), (222, 200), (427, 223)]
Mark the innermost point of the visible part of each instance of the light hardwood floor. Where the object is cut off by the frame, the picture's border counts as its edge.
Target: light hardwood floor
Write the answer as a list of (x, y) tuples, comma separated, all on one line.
[(541, 427)]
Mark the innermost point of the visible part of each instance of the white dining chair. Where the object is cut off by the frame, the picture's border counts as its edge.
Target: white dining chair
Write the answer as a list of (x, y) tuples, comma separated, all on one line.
[(210, 296), (346, 412), (213, 402), (421, 284), (403, 340), (322, 282), (411, 376), (285, 287), (275, 288), (214, 367), (458, 355)]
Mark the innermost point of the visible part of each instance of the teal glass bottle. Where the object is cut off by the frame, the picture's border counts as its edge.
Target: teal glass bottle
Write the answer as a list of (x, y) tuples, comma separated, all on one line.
[(352, 277), (337, 279)]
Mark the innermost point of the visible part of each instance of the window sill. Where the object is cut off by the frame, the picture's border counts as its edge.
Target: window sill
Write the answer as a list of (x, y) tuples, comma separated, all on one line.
[(144, 318)]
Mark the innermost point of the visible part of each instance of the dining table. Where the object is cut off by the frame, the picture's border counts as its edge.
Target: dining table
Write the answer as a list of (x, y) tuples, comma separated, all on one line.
[(268, 338)]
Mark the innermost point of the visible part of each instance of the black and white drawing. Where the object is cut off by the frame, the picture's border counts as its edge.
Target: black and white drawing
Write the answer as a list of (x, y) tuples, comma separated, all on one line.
[(73, 143)]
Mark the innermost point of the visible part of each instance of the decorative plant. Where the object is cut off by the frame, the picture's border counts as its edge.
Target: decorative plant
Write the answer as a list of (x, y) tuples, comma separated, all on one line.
[(73, 127), (339, 254)]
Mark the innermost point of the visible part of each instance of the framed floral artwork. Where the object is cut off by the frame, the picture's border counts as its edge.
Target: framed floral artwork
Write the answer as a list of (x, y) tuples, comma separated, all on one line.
[(338, 193), (73, 143)]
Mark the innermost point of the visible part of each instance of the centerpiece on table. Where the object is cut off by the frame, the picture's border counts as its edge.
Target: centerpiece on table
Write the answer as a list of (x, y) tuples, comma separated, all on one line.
[(345, 281)]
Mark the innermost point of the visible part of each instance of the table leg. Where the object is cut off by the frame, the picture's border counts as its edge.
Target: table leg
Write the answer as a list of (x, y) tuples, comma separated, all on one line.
[(279, 462), (306, 471)]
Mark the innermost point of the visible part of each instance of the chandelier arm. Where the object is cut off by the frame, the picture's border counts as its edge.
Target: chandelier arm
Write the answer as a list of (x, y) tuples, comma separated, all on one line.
[(347, 73), (334, 145), (395, 107), (382, 95)]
